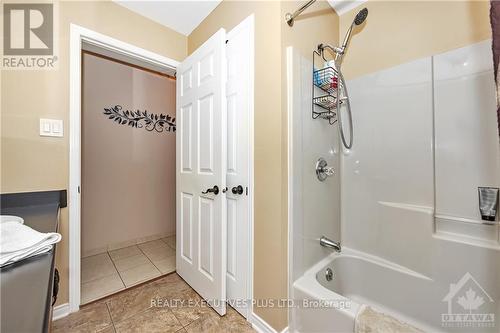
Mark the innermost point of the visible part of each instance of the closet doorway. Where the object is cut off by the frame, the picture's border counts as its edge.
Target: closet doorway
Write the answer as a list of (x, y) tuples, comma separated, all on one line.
[(128, 173), (233, 85)]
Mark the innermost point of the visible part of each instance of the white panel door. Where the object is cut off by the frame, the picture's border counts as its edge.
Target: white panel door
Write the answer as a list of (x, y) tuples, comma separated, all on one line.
[(239, 80), (201, 165)]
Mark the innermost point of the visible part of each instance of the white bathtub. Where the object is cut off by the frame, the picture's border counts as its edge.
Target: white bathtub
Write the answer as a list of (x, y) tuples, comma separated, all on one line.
[(363, 279)]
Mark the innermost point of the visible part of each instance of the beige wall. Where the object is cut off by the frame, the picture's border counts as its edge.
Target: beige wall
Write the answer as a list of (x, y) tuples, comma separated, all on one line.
[(272, 36), (397, 32), (31, 162), (128, 174)]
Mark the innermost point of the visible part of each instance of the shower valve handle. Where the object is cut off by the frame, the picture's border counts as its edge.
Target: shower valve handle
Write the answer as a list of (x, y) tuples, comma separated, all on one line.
[(329, 171), (323, 171)]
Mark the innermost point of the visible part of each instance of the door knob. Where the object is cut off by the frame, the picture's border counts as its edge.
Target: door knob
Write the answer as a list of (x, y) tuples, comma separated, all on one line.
[(214, 190), (237, 189)]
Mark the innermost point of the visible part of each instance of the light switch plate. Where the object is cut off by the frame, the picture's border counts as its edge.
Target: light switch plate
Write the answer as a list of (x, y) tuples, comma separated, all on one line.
[(51, 127)]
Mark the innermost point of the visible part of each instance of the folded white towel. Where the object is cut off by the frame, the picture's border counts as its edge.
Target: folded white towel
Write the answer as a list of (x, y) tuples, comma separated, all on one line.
[(18, 241), (10, 218)]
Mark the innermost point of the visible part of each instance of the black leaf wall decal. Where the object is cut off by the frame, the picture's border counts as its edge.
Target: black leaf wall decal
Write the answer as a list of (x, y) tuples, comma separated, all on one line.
[(137, 119)]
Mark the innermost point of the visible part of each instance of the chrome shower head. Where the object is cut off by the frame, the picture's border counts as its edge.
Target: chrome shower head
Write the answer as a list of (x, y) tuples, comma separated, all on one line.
[(361, 16), (359, 19), (340, 50)]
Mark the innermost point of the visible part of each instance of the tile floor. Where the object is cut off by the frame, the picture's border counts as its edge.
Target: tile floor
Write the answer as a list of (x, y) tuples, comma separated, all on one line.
[(133, 311), (107, 273)]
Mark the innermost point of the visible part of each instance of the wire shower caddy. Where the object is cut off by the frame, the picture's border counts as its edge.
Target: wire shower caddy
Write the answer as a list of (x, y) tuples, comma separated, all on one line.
[(324, 105)]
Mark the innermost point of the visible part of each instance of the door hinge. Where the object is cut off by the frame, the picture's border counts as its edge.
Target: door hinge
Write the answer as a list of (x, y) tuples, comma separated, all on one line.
[(246, 190), (78, 189)]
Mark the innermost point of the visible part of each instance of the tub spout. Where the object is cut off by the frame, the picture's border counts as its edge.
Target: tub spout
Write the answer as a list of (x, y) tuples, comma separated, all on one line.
[(323, 241)]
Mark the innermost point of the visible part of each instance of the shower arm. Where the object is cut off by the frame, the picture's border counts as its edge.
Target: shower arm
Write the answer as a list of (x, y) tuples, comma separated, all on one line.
[(289, 17)]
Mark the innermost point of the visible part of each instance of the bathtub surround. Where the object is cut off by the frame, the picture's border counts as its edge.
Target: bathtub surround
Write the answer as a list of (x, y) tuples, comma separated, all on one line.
[(465, 124), (128, 166), (456, 175), (390, 170), (405, 218), (396, 254), (426, 199), (313, 201)]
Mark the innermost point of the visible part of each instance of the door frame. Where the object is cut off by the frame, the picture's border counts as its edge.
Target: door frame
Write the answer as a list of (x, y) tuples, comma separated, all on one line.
[(78, 36)]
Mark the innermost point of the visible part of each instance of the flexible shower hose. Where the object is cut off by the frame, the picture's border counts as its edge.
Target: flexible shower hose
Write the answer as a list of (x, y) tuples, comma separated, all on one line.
[(341, 100)]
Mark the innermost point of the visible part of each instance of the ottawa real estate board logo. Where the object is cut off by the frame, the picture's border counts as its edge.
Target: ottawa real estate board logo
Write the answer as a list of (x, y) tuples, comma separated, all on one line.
[(469, 305), (29, 36)]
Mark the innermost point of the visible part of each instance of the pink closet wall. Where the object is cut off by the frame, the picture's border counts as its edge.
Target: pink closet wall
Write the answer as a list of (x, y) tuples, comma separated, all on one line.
[(128, 174)]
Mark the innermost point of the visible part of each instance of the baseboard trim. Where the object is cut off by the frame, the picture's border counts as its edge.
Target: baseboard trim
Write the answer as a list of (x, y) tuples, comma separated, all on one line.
[(261, 326), (60, 311)]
